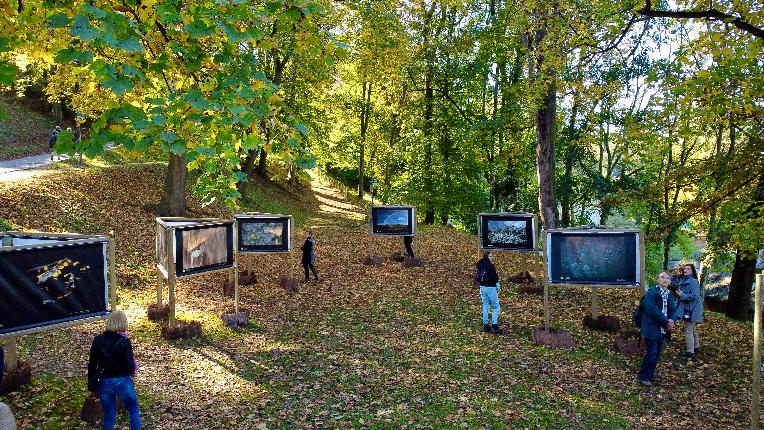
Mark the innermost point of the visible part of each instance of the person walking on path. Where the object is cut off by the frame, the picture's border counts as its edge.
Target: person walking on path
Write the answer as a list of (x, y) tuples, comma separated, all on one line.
[(53, 138), (407, 241), (657, 321), (488, 279), (689, 308), (110, 371), (309, 256)]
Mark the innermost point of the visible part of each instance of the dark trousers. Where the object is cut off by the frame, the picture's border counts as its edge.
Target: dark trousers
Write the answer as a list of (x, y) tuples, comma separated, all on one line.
[(409, 249), (312, 268), (650, 360)]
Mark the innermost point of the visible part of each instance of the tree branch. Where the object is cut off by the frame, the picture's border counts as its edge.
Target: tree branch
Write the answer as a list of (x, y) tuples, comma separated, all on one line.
[(709, 14)]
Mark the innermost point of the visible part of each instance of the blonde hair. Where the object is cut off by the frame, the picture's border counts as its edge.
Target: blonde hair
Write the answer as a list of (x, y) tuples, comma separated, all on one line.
[(117, 321)]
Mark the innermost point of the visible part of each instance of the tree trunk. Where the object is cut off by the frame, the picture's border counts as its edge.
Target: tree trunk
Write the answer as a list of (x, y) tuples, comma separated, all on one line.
[(173, 201), (365, 110), (261, 163), (545, 130), (743, 275)]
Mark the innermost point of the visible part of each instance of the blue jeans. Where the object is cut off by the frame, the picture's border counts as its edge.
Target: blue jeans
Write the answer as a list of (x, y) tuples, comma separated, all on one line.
[(650, 360), (122, 388), (490, 298)]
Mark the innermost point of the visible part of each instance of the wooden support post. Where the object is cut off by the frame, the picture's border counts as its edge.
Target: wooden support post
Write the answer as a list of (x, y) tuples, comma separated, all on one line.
[(11, 354), (643, 258), (169, 246), (546, 288), (112, 256), (756, 352), (595, 303), (160, 285)]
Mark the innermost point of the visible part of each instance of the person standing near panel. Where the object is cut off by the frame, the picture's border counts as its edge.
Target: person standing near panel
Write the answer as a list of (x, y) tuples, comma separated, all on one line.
[(488, 279), (658, 310), (53, 139), (689, 308), (110, 371), (407, 241), (309, 256)]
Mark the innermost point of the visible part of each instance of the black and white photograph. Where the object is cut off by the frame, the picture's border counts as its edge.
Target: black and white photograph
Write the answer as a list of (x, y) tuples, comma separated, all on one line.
[(264, 234), (513, 232)]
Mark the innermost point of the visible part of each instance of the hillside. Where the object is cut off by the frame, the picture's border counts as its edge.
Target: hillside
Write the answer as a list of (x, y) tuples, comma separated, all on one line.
[(366, 347), (23, 131)]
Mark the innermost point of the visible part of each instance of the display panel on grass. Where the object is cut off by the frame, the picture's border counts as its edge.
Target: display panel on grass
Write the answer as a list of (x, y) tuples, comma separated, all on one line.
[(507, 231), (601, 256), (197, 246), (393, 220), (51, 280), (264, 232)]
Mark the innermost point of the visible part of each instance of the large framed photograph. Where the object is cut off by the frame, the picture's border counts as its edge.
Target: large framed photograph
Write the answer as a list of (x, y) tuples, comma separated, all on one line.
[(264, 233), (598, 257), (197, 246), (393, 220), (507, 231), (49, 281)]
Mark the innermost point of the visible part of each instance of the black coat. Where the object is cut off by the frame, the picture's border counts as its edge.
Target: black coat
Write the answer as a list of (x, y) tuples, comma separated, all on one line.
[(491, 277), (309, 251), (111, 356), (2, 364)]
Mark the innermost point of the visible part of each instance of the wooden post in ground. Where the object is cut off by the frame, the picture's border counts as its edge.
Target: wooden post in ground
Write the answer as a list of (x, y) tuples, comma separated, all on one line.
[(756, 352), (170, 275), (595, 303), (160, 285), (11, 354), (112, 256), (546, 286)]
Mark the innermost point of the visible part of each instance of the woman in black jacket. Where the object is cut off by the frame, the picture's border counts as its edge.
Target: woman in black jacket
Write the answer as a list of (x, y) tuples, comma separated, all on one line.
[(488, 279), (309, 256), (110, 371)]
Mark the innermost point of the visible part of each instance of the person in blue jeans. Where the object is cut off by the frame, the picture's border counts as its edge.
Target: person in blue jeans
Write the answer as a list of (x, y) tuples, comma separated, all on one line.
[(658, 310), (488, 279), (110, 371)]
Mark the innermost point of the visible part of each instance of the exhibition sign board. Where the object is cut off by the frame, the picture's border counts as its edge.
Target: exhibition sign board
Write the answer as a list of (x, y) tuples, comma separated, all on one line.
[(196, 245), (596, 257), (263, 233), (50, 280), (393, 220), (507, 231)]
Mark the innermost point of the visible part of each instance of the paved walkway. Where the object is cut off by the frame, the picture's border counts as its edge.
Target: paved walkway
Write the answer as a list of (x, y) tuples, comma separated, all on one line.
[(12, 170)]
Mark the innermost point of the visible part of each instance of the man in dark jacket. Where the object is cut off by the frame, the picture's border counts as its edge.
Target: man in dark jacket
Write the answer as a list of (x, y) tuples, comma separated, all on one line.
[(488, 279), (53, 139), (658, 310), (309, 256)]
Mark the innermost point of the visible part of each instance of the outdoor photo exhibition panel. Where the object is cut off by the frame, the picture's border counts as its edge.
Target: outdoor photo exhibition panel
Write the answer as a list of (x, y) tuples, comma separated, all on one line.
[(195, 246), (263, 233), (50, 281), (188, 247), (592, 257), (393, 221), (507, 232)]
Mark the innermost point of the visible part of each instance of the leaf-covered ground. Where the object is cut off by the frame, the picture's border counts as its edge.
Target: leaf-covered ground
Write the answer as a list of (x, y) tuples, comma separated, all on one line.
[(23, 131), (366, 347)]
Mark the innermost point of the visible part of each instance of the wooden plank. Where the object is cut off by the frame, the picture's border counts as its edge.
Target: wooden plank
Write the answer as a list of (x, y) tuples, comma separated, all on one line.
[(11, 355), (112, 256), (54, 326), (756, 352), (546, 283), (169, 248), (595, 303)]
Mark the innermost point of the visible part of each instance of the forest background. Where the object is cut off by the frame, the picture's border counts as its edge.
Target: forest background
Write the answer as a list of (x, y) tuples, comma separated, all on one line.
[(625, 113)]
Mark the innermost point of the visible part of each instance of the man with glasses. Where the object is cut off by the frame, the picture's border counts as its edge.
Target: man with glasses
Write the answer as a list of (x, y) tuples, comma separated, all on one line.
[(657, 321)]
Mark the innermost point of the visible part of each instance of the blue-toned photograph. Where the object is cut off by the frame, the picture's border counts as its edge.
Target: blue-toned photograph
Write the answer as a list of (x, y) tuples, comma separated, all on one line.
[(394, 221), (586, 258)]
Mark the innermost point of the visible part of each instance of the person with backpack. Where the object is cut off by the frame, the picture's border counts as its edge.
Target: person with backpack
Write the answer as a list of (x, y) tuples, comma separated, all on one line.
[(488, 280), (309, 256), (110, 371), (656, 322), (689, 308), (53, 139)]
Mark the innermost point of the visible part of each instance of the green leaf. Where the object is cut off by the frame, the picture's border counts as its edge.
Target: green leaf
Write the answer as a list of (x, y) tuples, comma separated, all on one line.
[(82, 29), (302, 129), (168, 136), (233, 34), (197, 30), (307, 162), (131, 45), (7, 73), (197, 100), (179, 147), (5, 44), (94, 11), (120, 84), (58, 20), (73, 55)]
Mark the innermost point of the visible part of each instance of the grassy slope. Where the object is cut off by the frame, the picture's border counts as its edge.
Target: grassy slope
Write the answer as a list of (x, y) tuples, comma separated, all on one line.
[(22, 131), (367, 347)]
